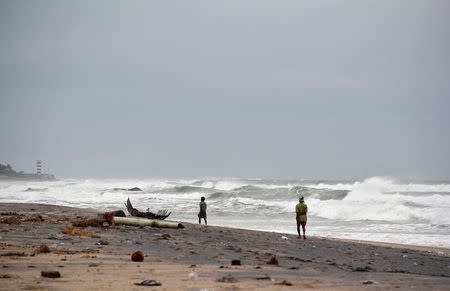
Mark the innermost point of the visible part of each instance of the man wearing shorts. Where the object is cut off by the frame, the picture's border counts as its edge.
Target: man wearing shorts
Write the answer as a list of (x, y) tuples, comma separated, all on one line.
[(301, 209)]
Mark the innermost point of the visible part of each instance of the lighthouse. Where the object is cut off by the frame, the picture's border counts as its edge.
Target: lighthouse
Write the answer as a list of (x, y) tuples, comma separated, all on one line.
[(39, 168)]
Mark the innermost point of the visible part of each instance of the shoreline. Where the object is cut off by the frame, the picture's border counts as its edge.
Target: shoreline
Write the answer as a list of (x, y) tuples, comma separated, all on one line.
[(433, 249), (200, 257), (362, 241), (429, 248), (425, 248)]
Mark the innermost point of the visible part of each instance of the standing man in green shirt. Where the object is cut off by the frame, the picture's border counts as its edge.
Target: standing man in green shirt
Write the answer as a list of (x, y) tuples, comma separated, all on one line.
[(301, 209), (202, 213)]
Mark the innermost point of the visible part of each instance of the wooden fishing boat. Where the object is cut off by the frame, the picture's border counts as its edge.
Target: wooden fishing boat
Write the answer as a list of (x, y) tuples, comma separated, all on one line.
[(161, 214)]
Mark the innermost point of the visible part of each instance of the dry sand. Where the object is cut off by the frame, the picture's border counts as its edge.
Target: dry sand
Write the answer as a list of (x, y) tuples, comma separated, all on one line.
[(199, 258)]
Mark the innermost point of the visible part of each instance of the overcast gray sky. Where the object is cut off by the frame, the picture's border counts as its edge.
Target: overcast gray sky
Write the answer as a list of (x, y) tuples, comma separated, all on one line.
[(280, 89)]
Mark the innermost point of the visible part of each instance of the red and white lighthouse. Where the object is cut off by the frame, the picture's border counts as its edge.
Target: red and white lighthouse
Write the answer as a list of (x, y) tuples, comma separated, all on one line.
[(39, 167)]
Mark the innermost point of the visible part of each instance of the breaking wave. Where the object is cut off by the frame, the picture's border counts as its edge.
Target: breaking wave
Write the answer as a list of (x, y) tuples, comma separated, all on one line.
[(376, 203)]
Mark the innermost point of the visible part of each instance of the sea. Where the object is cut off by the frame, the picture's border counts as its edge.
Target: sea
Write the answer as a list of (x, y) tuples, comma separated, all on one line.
[(374, 209)]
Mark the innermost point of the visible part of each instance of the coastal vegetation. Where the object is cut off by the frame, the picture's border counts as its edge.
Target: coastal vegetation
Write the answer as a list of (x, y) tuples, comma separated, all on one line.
[(7, 172)]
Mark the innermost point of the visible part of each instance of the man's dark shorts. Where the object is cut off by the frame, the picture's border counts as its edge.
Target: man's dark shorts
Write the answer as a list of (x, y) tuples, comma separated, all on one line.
[(202, 214)]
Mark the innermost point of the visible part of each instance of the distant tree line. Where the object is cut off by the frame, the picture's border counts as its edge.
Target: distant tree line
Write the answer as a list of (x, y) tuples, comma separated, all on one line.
[(7, 169)]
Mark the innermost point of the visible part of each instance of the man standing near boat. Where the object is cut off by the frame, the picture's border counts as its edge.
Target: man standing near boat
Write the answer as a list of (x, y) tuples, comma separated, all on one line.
[(301, 209)]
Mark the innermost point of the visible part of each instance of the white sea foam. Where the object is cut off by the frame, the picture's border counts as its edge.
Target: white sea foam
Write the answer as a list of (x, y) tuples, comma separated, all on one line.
[(382, 203), (382, 184)]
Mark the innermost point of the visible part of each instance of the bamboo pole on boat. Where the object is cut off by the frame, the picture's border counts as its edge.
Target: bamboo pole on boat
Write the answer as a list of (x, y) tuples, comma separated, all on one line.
[(136, 221)]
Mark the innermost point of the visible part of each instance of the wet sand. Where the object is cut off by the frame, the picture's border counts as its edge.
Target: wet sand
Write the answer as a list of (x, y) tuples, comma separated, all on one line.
[(199, 257)]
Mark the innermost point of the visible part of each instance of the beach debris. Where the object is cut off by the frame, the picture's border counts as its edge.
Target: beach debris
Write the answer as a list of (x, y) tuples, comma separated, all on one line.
[(9, 276), (106, 219), (13, 254), (119, 213), (193, 275), (34, 218), (93, 265), (284, 237), (102, 242), (137, 256), (50, 274), (149, 283), (6, 276), (368, 282), (284, 283), (362, 269), (235, 262), (227, 279), (58, 237), (71, 230), (85, 222), (265, 277), (161, 214), (192, 266), (16, 218), (9, 213), (164, 236), (273, 261), (43, 249), (11, 220)]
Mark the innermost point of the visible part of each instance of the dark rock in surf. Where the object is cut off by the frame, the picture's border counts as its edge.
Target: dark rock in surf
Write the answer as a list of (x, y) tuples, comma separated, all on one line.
[(135, 189)]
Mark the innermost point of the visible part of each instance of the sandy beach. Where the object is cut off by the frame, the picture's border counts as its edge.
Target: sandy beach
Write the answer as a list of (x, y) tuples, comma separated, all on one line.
[(199, 257)]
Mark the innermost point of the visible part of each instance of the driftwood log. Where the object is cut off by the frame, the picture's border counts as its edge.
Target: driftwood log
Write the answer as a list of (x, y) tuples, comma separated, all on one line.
[(136, 221), (111, 220), (161, 214)]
